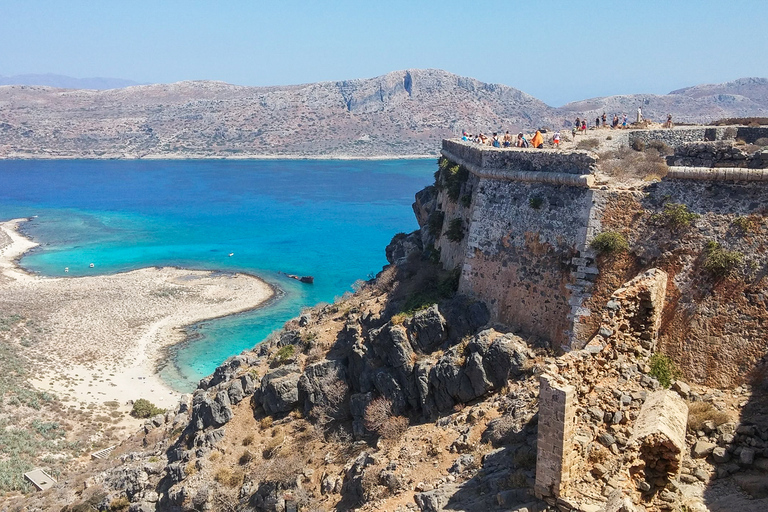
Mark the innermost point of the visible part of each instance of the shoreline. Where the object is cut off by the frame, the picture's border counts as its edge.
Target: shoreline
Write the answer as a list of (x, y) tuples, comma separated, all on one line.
[(105, 336)]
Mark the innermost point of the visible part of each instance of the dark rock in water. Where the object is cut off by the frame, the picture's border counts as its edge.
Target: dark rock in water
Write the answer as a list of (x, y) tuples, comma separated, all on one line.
[(280, 389), (324, 385), (429, 329)]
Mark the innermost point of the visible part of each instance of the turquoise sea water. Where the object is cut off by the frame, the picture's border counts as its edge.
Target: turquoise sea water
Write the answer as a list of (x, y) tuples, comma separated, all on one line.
[(329, 219)]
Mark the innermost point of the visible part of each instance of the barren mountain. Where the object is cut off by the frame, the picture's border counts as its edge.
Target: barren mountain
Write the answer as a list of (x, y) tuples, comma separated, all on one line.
[(398, 114), (66, 82), (745, 97)]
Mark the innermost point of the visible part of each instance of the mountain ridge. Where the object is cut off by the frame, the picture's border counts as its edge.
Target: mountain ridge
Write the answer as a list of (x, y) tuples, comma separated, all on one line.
[(397, 114)]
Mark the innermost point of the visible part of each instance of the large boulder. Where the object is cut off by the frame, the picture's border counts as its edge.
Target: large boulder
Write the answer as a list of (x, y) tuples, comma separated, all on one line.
[(324, 385), (390, 344), (428, 328), (403, 247), (505, 358), (210, 411), (279, 390)]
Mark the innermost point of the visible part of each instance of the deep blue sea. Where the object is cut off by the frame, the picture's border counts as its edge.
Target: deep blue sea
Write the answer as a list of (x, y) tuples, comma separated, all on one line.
[(329, 219)]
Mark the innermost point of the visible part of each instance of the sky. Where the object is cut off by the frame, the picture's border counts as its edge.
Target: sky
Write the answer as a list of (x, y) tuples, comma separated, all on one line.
[(557, 51)]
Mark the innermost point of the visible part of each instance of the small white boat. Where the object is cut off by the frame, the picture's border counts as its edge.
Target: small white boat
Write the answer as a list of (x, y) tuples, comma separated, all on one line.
[(66, 269), (91, 265), (231, 254)]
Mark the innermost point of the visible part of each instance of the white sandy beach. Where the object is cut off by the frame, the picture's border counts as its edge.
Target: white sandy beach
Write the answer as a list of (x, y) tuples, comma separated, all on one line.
[(96, 340)]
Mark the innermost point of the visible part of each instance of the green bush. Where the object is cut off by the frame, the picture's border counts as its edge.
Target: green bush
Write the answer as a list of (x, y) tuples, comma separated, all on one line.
[(661, 147), (143, 408), (609, 242), (435, 223), (535, 202), (720, 262), (663, 369), (455, 231), (284, 354), (433, 293), (676, 215)]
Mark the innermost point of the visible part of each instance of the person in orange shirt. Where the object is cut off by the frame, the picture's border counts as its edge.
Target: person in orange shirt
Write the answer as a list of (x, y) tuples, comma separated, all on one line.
[(538, 140)]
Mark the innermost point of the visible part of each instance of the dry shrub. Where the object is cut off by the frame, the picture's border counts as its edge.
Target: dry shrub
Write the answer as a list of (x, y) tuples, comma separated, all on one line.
[(228, 477), (265, 422), (701, 412), (273, 445), (282, 470), (119, 504), (588, 144), (597, 454), (214, 456), (248, 440), (625, 163), (380, 419), (245, 458)]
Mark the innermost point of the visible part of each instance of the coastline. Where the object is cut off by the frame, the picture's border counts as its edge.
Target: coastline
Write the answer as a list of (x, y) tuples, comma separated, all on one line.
[(96, 341)]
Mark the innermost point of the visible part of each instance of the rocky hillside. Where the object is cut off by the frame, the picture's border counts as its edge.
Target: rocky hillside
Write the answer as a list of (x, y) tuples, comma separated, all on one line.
[(403, 396), (746, 97), (398, 114)]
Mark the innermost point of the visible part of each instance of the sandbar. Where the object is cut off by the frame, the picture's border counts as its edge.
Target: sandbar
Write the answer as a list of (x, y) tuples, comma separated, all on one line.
[(95, 341)]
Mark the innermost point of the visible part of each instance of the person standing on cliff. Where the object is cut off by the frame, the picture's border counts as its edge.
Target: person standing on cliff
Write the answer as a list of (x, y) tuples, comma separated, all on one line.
[(605, 124), (639, 114), (538, 140), (597, 122), (624, 122), (556, 138), (669, 121), (507, 139), (578, 124)]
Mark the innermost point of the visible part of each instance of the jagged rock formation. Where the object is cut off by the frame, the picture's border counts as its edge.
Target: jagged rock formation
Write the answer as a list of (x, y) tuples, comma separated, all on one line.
[(401, 113)]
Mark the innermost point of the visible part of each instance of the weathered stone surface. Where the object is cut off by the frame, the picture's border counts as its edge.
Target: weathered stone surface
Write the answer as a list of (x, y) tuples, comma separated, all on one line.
[(324, 384), (280, 389), (210, 412), (659, 434), (429, 329), (701, 449)]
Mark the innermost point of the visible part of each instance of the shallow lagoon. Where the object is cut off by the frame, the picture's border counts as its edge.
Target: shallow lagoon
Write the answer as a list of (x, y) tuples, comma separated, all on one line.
[(329, 219)]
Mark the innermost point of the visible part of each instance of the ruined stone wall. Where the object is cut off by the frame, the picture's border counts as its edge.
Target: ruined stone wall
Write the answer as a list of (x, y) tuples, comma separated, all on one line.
[(526, 254), (684, 135), (554, 446), (718, 154)]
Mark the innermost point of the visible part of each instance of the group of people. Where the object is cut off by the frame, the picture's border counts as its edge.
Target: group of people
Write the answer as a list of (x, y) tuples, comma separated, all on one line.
[(506, 141), (601, 121)]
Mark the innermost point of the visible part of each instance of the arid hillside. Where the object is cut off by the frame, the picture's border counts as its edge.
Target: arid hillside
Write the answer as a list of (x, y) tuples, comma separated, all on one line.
[(398, 114)]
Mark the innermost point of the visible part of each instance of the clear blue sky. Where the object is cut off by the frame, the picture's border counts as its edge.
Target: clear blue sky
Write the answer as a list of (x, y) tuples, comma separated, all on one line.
[(556, 50)]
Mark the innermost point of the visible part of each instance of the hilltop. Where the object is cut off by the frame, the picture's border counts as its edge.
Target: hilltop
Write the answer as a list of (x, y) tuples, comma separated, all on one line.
[(400, 114)]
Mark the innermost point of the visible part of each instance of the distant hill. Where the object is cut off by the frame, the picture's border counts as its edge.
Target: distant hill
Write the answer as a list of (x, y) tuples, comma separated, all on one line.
[(745, 97), (398, 114), (67, 82)]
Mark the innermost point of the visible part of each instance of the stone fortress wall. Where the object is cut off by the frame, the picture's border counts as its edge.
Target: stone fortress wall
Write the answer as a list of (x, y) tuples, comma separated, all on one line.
[(526, 250)]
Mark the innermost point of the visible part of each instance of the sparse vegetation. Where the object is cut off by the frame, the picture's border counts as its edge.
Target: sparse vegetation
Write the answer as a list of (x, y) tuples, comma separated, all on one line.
[(609, 242), (663, 369), (676, 216), (588, 144), (143, 408), (432, 292), (748, 224), (380, 419), (435, 223), (535, 202), (455, 231), (229, 478), (283, 355), (452, 177), (701, 412), (639, 164), (638, 145), (719, 261)]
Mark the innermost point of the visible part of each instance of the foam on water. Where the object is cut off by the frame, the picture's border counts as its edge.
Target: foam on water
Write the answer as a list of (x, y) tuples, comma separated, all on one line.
[(329, 219)]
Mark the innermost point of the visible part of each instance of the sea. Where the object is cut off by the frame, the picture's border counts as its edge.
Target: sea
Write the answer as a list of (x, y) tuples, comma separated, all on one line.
[(330, 219)]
